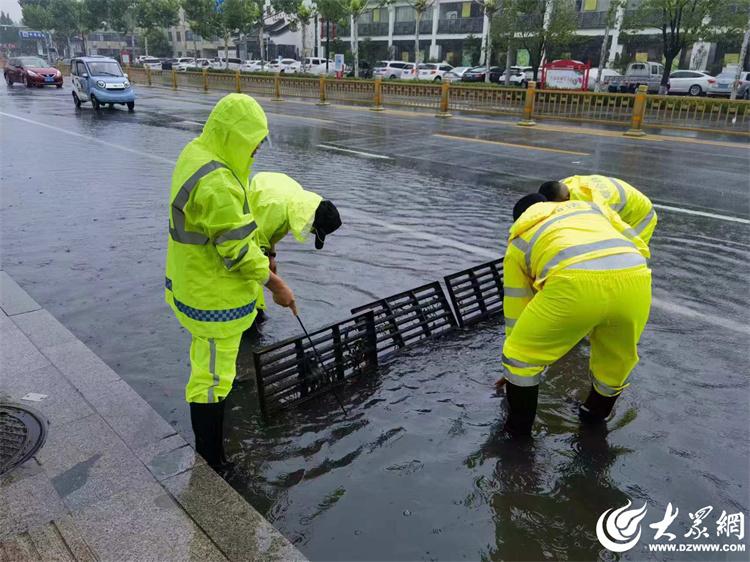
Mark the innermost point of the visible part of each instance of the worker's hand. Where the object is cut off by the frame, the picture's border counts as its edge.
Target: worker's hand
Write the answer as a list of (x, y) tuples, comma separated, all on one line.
[(272, 264), (282, 294), (499, 385)]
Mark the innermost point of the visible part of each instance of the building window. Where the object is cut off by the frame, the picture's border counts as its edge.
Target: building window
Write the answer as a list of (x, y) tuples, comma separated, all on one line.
[(405, 13), (178, 35), (188, 36), (589, 5)]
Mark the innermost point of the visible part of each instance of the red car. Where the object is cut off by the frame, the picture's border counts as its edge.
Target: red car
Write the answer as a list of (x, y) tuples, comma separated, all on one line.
[(32, 71)]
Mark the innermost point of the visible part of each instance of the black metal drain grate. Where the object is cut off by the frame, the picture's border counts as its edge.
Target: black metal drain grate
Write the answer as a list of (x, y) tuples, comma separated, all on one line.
[(22, 433), (476, 293), (406, 318), (289, 373)]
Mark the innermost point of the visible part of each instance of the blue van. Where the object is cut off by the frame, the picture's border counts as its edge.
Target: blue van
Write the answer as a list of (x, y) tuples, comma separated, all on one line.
[(101, 81)]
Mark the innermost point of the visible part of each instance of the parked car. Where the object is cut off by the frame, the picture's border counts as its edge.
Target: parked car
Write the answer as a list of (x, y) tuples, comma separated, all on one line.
[(200, 64), (433, 71), (150, 62), (455, 74), (365, 70), (286, 66), (638, 74), (222, 63), (316, 65), (31, 71), (723, 85), (389, 69), (100, 81), (409, 72), (520, 75), (478, 73), (607, 74), (692, 82), (184, 63), (255, 65)]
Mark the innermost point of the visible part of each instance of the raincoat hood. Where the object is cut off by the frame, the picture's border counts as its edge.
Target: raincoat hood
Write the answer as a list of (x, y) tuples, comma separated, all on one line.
[(280, 205), (533, 216), (235, 128)]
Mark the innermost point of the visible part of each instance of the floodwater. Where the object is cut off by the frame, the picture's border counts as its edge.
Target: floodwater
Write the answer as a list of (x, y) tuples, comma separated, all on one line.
[(418, 469)]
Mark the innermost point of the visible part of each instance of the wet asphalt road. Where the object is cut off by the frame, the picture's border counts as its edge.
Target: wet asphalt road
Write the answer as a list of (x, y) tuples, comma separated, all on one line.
[(414, 472)]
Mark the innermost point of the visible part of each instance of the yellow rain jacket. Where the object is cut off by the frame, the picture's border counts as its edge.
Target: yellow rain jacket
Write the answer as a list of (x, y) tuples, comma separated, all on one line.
[(574, 269), (536, 251), (280, 205), (214, 265), (633, 206)]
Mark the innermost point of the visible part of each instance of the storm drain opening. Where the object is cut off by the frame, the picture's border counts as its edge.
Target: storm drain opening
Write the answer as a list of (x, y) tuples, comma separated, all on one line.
[(476, 293), (290, 372), (406, 318), (22, 433)]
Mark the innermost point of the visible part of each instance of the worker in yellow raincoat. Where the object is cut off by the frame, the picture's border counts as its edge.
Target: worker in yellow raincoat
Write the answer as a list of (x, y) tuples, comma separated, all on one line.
[(633, 206), (571, 269), (215, 267), (280, 205)]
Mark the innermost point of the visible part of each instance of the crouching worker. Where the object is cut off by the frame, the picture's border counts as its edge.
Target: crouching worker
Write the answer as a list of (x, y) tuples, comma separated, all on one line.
[(279, 205), (214, 266), (633, 206), (571, 269)]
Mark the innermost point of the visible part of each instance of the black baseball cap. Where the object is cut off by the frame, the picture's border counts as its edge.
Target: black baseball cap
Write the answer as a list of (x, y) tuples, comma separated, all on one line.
[(327, 221)]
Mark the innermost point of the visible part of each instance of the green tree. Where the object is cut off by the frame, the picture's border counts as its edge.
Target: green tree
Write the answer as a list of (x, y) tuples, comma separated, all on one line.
[(5, 19), (158, 42), (542, 23), (420, 8), (683, 22), (201, 18), (150, 15), (300, 15), (243, 17), (489, 9), (612, 14), (355, 9), (332, 11)]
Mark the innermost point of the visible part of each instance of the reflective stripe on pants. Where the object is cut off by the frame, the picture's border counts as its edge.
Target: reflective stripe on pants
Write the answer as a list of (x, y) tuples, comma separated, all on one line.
[(611, 306), (213, 366)]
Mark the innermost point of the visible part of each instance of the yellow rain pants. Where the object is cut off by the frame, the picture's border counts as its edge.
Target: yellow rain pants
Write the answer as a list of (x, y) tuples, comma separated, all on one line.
[(213, 366), (645, 228), (611, 306)]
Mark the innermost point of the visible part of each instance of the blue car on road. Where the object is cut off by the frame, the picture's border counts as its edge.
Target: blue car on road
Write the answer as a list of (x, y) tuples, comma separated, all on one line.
[(101, 81)]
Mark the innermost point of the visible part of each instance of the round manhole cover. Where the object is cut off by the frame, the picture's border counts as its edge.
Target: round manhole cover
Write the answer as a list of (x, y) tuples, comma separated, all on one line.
[(22, 433)]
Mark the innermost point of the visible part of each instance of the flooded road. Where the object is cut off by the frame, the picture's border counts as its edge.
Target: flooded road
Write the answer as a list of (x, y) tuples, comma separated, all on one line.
[(418, 469)]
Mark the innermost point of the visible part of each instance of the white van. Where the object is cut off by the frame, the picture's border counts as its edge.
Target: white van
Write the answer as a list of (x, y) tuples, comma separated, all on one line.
[(222, 63), (315, 65)]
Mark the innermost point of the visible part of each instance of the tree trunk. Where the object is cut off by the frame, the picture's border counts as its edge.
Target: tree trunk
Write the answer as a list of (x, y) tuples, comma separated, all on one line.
[(261, 42), (669, 57), (602, 58), (741, 63), (417, 19), (145, 42), (303, 47), (355, 53), (226, 49), (195, 46), (328, 43), (488, 50), (508, 59)]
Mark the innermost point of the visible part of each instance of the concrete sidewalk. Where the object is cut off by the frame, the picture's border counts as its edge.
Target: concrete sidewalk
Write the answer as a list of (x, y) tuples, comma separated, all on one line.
[(114, 480)]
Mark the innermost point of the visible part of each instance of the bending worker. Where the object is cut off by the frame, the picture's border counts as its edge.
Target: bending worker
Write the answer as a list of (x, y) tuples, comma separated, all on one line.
[(571, 269), (633, 206), (280, 205), (214, 266)]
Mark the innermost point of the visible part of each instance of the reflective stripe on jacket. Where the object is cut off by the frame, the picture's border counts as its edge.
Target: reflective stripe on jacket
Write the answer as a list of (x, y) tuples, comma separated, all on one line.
[(214, 265), (633, 206), (279, 205), (551, 236)]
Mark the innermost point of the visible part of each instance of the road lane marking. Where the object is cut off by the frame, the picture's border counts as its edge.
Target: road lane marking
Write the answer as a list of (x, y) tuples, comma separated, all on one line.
[(358, 152), (510, 144), (702, 214), (88, 138)]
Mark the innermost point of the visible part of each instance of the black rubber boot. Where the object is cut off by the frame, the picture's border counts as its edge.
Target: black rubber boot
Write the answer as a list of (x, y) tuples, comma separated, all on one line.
[(261, 316), (208, 427), (522, 401), (597, 408)]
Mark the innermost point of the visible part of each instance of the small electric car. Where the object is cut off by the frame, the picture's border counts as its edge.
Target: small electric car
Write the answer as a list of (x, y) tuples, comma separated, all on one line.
[(101, 81)]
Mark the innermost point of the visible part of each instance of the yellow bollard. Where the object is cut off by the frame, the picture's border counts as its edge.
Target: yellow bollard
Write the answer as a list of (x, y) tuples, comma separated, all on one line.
[(444, 98), (378, 101), (205, 80), (174, 79), (276, 88), (528, 106), (639, 112), (148, 75), (323, 91), (237, 81)]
